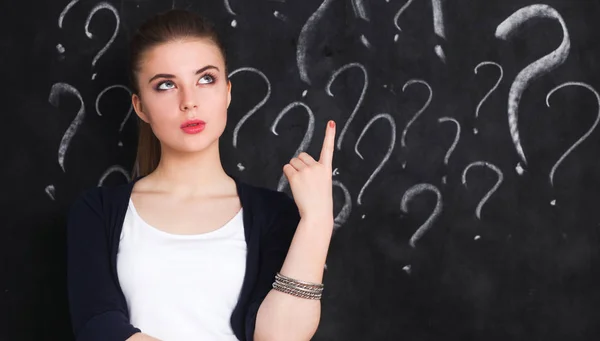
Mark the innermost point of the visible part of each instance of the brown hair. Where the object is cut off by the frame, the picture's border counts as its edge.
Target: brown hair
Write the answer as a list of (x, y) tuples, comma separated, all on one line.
[(162, 28)]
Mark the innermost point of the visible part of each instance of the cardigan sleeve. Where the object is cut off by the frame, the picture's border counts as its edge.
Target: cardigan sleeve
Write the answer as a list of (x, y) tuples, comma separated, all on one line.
[(273, 250), (97, 308)]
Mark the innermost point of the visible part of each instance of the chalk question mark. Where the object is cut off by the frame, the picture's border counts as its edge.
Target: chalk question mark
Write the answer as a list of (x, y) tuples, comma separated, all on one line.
[(536, 69), (456, 137), (409, 195), (307, 35), (116, 86), (392, 123), (61, 18), (114, 169), (238, 126), (491, 90), (582, 138), (454, 143), (438, 24), (305, 140), (489, 194), (55, 92), (423, 108), (98, 7), (360, 99)]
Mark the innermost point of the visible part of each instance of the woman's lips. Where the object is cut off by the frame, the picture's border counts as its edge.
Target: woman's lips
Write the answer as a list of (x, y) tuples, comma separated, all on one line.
[(193, 127)]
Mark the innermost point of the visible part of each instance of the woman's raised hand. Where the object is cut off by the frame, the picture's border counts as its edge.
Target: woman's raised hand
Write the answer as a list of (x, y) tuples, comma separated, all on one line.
[(311, 180)]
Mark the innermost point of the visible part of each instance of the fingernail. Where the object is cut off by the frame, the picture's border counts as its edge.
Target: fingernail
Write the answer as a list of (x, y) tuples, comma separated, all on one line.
[(331, 124)]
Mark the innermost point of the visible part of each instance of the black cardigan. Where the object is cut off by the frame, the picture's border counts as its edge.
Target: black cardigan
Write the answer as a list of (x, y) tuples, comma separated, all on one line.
[(97, 305)]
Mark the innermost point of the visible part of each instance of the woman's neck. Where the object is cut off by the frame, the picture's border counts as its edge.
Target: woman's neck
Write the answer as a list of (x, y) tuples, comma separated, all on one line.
[(191, 174)]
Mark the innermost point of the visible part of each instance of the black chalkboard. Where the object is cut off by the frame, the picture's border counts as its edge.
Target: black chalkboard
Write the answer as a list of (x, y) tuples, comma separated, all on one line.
[(466, 174)]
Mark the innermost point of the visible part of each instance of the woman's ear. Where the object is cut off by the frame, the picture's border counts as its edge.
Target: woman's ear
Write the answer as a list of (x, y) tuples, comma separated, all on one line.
[(228, 92), (139, 109)]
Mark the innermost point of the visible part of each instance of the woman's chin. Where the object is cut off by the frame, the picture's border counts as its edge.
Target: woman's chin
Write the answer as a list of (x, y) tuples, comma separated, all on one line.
[(195, 147)]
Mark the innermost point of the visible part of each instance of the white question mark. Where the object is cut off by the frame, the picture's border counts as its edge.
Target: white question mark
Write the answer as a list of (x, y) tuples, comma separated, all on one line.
[(307, 34), (236, 130), (61, 17), (409, 195), (491, 191), (423, 108), (491, 90), (113, 169), (360, 99), (438, 24), (536, 69), (454, 143), (392, 123), (585, 136), (98, 7), (116, 86), (305, 140), (55, 92)]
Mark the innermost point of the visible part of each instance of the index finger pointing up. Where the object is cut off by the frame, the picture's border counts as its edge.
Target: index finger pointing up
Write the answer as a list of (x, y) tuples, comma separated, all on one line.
[(326, 157)]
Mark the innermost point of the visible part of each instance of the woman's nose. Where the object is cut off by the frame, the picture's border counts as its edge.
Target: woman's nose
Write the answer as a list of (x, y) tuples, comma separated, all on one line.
[(187, 100)]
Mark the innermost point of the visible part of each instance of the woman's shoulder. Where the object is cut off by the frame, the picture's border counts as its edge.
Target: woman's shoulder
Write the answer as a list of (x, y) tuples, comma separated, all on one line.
[(98, 198)]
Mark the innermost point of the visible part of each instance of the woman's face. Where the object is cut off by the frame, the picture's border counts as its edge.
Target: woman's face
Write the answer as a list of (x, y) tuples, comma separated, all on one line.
[(179, 81)]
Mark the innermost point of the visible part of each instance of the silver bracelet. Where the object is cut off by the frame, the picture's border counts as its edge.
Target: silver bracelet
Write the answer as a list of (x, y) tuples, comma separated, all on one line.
[(296, 292), (298, 288)]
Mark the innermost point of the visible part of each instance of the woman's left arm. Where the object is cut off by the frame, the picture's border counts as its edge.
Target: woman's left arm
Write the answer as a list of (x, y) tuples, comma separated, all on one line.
[(284, 316)]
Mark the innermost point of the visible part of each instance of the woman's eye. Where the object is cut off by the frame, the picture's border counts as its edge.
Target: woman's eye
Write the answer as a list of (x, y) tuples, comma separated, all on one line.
[(165, 85), (206, 79)]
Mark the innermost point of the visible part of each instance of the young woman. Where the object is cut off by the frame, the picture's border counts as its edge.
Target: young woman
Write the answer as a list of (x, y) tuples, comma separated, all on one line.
[(186, 251)]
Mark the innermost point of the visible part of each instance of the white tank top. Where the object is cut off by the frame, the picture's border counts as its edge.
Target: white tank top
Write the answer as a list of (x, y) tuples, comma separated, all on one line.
[(181, 287)]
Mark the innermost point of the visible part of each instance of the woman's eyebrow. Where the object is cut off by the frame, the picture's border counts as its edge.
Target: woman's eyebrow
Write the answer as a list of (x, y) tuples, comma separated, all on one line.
[(206, 68), (170, 76)]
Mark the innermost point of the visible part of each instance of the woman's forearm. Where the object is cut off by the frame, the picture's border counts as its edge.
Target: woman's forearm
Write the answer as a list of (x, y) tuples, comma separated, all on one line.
[(283, 316)]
